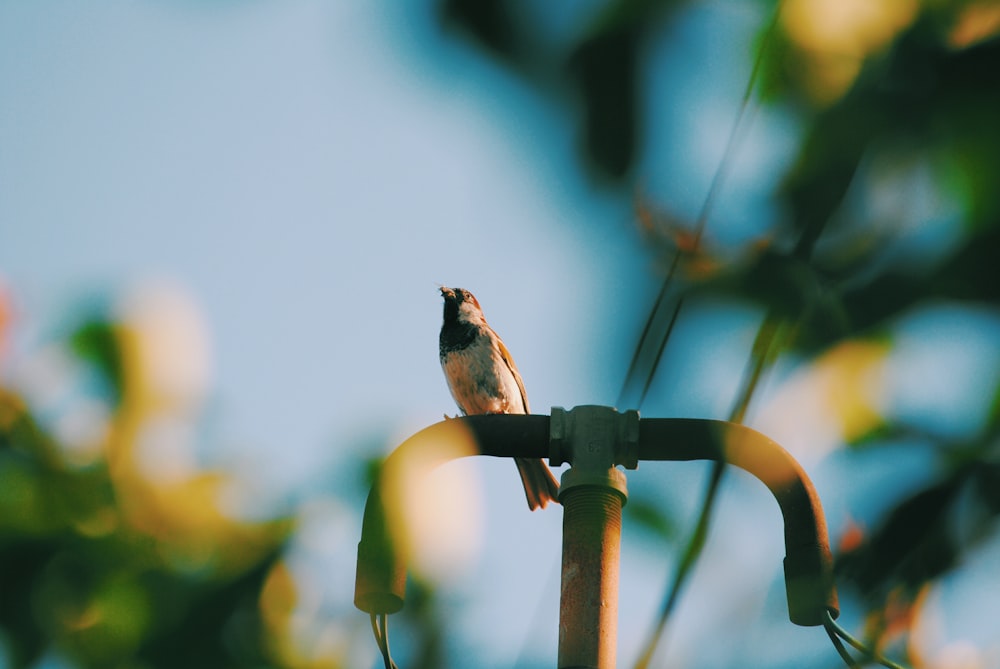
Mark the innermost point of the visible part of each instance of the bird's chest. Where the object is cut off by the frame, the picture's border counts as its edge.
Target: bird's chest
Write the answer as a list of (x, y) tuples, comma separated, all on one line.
[(480, 380)]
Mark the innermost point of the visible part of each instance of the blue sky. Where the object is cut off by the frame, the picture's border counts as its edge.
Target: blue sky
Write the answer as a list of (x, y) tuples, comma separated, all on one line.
[(308, 183)]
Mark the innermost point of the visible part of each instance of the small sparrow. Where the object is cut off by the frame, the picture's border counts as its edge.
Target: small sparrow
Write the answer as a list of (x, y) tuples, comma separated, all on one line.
[(483, 379)]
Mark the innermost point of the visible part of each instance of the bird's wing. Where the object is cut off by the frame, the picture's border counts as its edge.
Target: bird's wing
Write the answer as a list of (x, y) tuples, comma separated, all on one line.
[(505, 354)]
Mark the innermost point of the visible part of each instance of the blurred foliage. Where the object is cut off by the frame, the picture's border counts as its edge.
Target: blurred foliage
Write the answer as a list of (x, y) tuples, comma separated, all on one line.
[(80, 577), (880, 89), (603, 66), (95, 342)]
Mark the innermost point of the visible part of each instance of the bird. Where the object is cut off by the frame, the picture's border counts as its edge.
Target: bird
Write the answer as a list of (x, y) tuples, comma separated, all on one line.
[(483, 379)]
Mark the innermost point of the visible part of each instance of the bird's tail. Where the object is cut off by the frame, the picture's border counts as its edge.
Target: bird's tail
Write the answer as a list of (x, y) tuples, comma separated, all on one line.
[(540, 486)]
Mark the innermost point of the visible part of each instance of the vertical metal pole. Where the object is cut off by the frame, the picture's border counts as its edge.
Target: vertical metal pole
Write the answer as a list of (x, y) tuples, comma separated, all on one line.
[(592, 494), (588, 606)]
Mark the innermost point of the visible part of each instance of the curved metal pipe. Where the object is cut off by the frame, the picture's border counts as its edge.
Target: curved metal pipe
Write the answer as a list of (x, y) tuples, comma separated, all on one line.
[(808, 561), (380, 579), (381, 571)]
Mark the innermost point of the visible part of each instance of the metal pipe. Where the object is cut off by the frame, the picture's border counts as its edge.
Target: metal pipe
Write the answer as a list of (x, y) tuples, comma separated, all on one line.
[(588, 603), (592, 493), (808, 563), (380, 579), (809, 584)]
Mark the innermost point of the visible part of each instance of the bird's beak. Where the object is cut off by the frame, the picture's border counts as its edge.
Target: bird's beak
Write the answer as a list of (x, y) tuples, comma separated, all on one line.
[(446, 291)]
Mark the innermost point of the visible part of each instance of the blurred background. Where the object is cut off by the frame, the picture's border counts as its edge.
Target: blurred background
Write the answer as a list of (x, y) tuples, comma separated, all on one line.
[(223, 225)]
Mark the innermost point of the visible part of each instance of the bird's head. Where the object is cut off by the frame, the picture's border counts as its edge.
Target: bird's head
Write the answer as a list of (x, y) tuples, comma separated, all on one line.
[(461, 305)]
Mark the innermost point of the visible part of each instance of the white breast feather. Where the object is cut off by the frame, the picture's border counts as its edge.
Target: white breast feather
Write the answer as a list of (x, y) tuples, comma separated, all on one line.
[(480, 380)]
